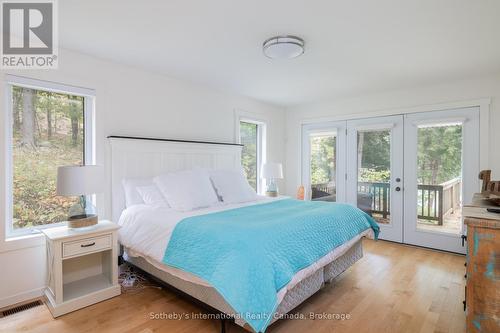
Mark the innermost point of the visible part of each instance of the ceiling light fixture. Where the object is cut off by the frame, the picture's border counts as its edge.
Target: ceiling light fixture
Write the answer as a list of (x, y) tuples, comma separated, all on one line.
[(283, 47)]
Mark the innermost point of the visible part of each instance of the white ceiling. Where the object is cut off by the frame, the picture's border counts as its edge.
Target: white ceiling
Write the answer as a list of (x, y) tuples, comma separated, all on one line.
[(352, 46)]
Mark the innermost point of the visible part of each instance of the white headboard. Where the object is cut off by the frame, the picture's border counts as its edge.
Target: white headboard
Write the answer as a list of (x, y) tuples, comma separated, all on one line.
[(133, 157)]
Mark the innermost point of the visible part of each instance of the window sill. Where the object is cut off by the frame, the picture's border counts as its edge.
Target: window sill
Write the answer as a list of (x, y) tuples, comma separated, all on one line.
[(20, 242)]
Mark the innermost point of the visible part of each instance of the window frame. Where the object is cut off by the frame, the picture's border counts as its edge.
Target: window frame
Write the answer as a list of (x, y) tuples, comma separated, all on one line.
[(261, 146), (89, 141)]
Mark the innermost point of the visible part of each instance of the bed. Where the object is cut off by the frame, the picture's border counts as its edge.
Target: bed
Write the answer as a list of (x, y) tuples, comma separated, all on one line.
[(146, 231)]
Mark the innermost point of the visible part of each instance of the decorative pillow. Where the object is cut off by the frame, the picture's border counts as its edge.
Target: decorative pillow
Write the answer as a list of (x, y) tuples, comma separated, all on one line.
[(187, 190), (232, 186), (132, 197), (152, 196)]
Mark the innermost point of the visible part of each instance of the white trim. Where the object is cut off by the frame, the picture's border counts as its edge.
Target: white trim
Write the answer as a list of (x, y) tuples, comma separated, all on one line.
[(483, 103), (89, 129), (48, 85), (433, 122), (7, 174), (10, 237), (22, 242), (21, 297), (375, 127)]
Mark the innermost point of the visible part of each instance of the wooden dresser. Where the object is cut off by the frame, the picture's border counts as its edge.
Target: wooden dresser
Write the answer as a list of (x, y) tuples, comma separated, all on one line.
[(482, 293)]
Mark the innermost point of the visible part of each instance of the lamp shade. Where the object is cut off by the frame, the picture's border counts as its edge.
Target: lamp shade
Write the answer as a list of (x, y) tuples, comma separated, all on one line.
[(80, 180), (272, 170)]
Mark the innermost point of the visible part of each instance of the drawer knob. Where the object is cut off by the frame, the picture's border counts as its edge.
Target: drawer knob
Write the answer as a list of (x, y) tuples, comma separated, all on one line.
[(88, 245)]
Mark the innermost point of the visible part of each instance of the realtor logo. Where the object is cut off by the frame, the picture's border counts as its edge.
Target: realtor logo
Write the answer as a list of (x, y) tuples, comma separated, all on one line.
[(29, 39)]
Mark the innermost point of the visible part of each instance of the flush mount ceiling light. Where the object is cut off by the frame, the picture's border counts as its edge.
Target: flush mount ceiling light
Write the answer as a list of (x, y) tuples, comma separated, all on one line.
[(283, 47)]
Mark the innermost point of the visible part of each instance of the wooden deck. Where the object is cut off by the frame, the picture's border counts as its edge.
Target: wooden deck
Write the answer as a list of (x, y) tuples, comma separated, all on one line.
[(452, 223)]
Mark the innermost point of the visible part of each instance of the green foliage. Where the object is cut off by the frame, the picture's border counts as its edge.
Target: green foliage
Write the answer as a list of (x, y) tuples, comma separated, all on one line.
[(375, 149), (248, 137), (374, 156), (323, 158), (374, 176), (58, 134), (35, 172), (439, 154)]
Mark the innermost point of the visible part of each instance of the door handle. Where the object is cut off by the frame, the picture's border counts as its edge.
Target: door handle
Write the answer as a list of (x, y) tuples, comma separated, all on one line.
[(398, 189)]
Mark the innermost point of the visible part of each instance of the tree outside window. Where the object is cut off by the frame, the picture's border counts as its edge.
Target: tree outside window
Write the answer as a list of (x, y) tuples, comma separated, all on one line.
[(48, 131), (249, 156)]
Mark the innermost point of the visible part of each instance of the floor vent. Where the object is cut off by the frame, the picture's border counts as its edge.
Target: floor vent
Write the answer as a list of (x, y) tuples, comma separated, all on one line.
[(20, 308)]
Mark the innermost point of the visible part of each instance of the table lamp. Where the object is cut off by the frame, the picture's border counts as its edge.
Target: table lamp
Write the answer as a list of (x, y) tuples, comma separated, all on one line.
[(80, 181), (272, 171)]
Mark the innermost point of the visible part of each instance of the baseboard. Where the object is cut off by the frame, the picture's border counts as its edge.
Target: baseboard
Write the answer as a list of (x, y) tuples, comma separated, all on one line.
[(21, 297)]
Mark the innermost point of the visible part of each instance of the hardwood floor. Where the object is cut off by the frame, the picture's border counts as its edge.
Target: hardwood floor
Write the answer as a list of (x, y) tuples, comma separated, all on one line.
[(394, 288)]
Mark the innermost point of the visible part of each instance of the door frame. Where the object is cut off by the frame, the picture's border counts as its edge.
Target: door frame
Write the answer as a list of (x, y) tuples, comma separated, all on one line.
[(394, 230), (469, 118), (340, 173)]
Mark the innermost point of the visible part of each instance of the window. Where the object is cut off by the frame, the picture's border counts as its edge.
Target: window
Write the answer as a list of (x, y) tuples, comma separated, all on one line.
[(48, 128), (252, 156)]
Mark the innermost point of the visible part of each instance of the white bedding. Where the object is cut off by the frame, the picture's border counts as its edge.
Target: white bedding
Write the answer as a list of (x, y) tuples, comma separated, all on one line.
[(146, 230)]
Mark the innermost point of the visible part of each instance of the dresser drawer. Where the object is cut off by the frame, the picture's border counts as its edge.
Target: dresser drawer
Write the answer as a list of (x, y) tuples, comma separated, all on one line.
[(83, 246)]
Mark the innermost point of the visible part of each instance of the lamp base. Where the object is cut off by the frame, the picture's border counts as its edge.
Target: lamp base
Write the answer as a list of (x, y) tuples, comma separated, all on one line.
[(272, 194), (82, 221)]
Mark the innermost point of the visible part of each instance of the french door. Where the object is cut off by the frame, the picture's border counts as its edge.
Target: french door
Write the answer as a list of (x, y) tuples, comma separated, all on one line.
[(375, 171), (441, 173), (411, 173)]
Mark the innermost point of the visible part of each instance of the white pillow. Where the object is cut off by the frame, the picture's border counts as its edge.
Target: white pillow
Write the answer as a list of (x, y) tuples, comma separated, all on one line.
[(132, 197), (187, 190), (232, 186), (152, 196)]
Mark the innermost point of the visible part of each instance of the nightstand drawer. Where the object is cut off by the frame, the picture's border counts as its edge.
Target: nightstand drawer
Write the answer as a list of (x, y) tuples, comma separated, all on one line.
[(86, 245)]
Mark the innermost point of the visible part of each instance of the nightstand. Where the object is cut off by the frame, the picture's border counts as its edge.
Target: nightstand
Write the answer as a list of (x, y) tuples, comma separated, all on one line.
[(82, 266)]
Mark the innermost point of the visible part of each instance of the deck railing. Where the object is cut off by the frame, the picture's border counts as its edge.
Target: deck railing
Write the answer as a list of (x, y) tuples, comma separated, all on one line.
[(380, 193), (430, 203), (451, 195), (434, 201)]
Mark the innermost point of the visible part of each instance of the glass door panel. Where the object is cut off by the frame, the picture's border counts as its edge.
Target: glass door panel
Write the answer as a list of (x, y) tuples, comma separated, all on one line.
[(324, 161), (323, 166), (439, 177), (374, 173)]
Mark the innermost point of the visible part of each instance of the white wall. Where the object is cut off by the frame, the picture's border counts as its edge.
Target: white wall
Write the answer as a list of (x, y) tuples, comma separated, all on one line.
[(393, 102), (129, 101)]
